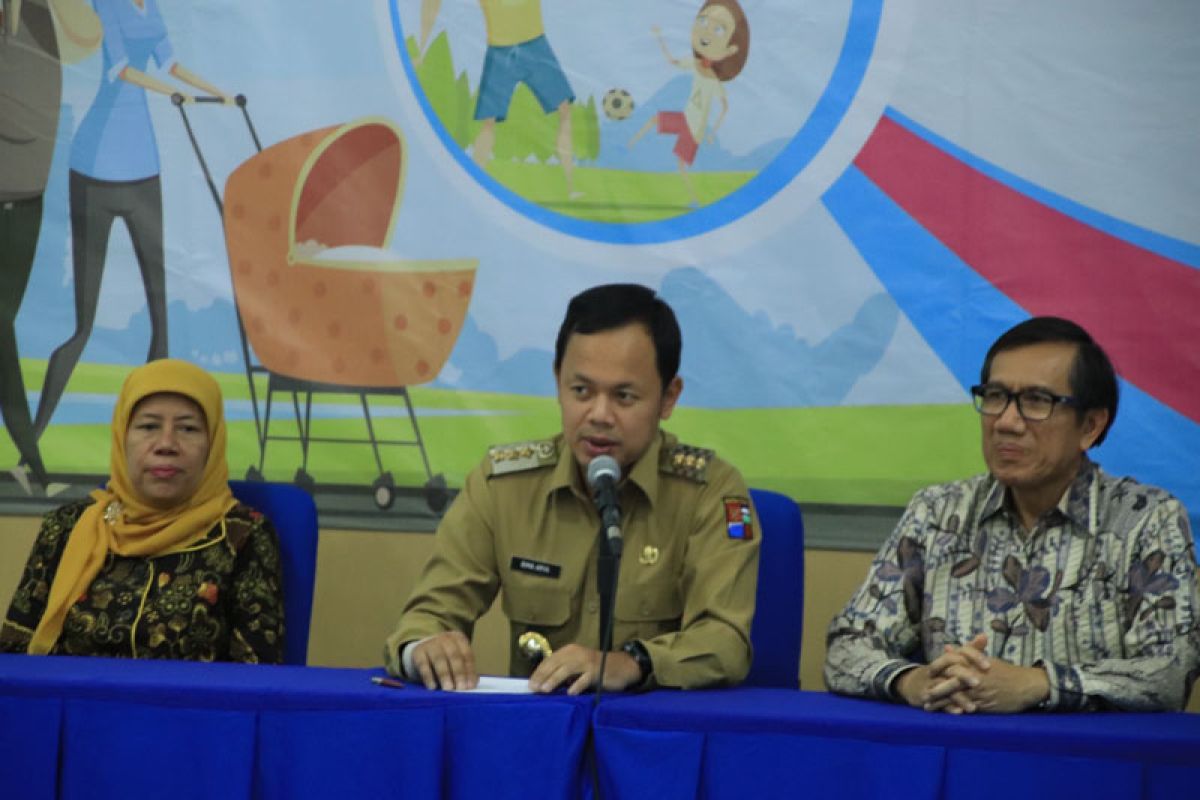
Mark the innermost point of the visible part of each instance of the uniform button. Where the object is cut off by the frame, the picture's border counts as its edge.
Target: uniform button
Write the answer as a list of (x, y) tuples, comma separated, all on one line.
[(592, 606), (645, 610)]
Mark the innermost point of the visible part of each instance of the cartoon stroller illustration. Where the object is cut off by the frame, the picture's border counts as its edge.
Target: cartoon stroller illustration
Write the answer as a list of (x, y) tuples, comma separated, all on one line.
[(321, 302)]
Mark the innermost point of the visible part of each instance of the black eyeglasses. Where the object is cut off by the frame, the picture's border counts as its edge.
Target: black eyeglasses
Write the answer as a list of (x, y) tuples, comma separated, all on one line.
[(1034, 405)]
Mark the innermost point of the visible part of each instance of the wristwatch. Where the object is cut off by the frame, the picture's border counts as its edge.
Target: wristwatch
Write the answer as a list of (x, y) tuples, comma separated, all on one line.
[(637, 651)]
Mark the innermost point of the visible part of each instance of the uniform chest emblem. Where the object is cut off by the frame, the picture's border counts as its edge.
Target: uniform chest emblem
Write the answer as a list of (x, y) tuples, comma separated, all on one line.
[(649, 556)]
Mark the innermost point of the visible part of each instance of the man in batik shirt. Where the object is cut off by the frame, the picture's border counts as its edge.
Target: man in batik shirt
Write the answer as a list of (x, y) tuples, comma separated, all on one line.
[(1044, 584)]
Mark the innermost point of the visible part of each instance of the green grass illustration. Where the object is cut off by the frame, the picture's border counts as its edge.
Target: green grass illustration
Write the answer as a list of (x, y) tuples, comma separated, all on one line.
[(873, 455), (616, 196)]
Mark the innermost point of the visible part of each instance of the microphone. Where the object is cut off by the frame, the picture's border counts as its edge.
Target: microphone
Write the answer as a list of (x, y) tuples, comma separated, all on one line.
[(603, 474)]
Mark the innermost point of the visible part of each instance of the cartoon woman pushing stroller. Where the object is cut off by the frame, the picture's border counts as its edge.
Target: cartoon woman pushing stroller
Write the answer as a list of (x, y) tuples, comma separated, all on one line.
[(114, 173)]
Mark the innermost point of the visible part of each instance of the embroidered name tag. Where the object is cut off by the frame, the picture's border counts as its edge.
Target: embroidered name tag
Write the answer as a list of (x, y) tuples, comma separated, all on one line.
[(521, 564)]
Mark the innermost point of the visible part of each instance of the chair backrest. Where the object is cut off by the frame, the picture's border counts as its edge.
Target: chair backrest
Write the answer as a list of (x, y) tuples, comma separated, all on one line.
[(779, 603), (294, 515)]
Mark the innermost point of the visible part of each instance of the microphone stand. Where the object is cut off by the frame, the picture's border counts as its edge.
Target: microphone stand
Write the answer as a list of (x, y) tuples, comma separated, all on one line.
[(608, 562), (607, 569)]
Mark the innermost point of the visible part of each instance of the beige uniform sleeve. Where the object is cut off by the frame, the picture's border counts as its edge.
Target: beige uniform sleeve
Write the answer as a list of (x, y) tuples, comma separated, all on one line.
[(719, 580), (461, 579)]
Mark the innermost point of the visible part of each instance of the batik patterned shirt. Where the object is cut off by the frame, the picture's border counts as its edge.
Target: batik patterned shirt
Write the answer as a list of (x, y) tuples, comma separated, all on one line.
[(219, 599), (1101, 593)]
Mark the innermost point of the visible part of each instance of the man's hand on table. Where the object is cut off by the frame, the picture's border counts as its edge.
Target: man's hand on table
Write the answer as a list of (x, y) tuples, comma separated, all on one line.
[(446, 661), (965, 680), (580, 666)]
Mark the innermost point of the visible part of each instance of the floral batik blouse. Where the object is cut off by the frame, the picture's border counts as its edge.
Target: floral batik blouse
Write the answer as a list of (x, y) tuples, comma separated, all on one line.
[(220, 599)]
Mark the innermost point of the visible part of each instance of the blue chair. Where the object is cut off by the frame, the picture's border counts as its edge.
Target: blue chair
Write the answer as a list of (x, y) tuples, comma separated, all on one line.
[(779, 603), (294, 515)]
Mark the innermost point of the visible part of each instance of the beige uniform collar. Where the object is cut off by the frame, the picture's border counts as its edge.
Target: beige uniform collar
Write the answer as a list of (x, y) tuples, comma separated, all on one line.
[(644, 474)]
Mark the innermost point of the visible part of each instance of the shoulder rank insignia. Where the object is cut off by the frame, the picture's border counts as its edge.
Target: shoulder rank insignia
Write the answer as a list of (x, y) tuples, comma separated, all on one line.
[(522, 456), (685, 461)]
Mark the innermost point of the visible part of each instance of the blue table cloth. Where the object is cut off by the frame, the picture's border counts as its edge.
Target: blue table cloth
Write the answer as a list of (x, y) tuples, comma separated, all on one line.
[(745, 743), (95, 728)]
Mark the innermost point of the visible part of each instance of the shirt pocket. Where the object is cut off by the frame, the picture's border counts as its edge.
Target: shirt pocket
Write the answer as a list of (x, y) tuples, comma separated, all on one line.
[(649, 609), (536, 606)]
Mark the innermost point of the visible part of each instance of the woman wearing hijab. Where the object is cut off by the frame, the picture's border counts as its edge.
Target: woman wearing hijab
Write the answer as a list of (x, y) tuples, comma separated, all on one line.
[(163, 562)]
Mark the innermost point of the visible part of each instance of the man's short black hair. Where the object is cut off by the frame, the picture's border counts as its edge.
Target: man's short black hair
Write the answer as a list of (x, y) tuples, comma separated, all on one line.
[(1093, 380), (615, 305)]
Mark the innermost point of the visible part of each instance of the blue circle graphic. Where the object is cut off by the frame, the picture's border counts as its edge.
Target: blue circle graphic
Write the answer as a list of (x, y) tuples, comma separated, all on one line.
[(813, 135)]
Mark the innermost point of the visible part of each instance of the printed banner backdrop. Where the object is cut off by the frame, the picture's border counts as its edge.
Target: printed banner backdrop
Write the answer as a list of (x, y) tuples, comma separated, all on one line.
[(845, 202)]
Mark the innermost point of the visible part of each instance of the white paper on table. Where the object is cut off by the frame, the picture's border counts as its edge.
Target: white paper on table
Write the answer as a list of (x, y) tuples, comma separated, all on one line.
[(494, 684)]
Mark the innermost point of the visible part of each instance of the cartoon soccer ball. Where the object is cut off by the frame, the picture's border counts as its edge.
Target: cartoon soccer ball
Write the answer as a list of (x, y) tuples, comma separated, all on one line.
[(617, 104)]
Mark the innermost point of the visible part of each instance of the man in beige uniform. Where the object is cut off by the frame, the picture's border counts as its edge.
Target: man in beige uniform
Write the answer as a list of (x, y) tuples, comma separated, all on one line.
[(524, 522)]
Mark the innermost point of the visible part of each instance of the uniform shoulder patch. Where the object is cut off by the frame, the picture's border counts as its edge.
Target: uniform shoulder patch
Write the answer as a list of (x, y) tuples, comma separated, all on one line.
[(505, 459), (739, 523), (685, 461)]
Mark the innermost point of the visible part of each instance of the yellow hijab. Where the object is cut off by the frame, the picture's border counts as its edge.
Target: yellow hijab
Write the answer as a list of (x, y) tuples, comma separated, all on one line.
[(122, 522)]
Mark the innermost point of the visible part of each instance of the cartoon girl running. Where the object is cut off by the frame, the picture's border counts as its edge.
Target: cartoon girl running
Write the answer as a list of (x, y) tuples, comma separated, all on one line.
[(720, 46)]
